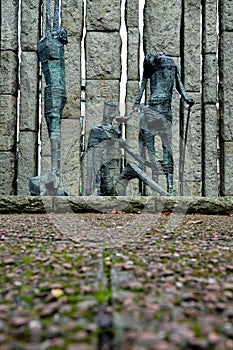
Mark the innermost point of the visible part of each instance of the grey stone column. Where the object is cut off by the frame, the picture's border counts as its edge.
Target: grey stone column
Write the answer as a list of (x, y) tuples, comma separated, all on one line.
[(72, 20), (132, 86), (103, 61), (29, 117), (192, 81), (209, 99), (8, 95), (226, 98)]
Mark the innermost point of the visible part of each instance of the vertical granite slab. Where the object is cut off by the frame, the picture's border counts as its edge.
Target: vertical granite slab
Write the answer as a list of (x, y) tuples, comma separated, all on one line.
[(191, 52), (209, 98), (29, 77), (72, 20), (8, 94), (225, 96)]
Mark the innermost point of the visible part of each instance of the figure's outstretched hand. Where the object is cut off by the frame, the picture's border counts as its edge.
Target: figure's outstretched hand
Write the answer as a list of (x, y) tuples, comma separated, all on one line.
[(190, 102)]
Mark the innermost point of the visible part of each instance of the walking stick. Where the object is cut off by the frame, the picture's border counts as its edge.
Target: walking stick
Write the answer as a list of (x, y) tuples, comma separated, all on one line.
[(184, 151)]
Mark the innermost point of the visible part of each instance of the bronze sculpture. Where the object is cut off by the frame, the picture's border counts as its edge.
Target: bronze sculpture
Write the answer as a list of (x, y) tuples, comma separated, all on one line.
[(156, 116), (104, 174), (51, 55), (103, 154)]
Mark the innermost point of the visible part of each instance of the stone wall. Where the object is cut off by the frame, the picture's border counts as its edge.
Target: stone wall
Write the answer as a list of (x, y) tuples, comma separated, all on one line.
[(8, 95), (28, 118), (226, 98), (184, 30)]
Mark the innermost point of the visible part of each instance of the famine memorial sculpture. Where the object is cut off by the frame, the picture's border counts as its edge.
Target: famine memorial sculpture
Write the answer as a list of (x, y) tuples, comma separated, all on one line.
[(51, 55), (156, 116)]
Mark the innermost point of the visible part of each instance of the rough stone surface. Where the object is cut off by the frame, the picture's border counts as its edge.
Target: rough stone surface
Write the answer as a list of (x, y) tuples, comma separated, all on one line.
[(9, 24), (7, 122), (8, 72), (7, 174), (27, 163), (210, 78), (161, 35), (97, 92), (210, 144), (192, 45), (29, 92), (20, 204), (103, 55), (228, 168), (73, 78), (103, 15), (131, 13), (226, 88), (29, 24), (70, 168), (209, 26), (133, 54), (226, 85), (150, 204), (226, 10), (72, 18), (193, 159)]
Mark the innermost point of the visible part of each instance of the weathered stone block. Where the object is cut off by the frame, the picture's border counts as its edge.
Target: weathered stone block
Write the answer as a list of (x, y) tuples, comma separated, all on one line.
[(226, 11), (8, 73), (97, 92), (210, 149), (103, 52), (210, 69), (192, 45), (131, 13), (30, 24), (133, 54), (73, 78), (72, 17), (193, 159), (7, 174), (162, 27), (9, 24), (29, 92), (7, 122), (70, 164), (209, 26), (226, 84), (27, 162), (228, 168), (103, 15)]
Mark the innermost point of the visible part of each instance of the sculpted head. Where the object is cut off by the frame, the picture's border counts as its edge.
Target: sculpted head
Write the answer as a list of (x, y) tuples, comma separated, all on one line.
[(110, 111)]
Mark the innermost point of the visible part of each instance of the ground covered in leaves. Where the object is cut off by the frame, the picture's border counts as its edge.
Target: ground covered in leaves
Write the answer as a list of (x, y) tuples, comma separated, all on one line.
[(116, 281)]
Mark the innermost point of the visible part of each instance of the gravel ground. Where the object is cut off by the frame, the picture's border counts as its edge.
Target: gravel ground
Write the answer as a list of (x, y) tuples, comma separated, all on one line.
[(116, 281)]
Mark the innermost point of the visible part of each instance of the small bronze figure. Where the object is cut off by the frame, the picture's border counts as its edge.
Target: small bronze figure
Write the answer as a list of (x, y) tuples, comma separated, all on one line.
[(103, 154), (156, 117)]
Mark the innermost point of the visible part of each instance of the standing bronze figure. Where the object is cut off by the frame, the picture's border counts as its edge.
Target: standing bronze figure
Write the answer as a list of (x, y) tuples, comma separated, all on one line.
[(51, 55), (156, 118)]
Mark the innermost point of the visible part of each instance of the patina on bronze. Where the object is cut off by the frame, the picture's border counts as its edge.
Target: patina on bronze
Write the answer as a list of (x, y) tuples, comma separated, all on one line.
[(156, 116), (104, 175), (51, 55), (103, 154)]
